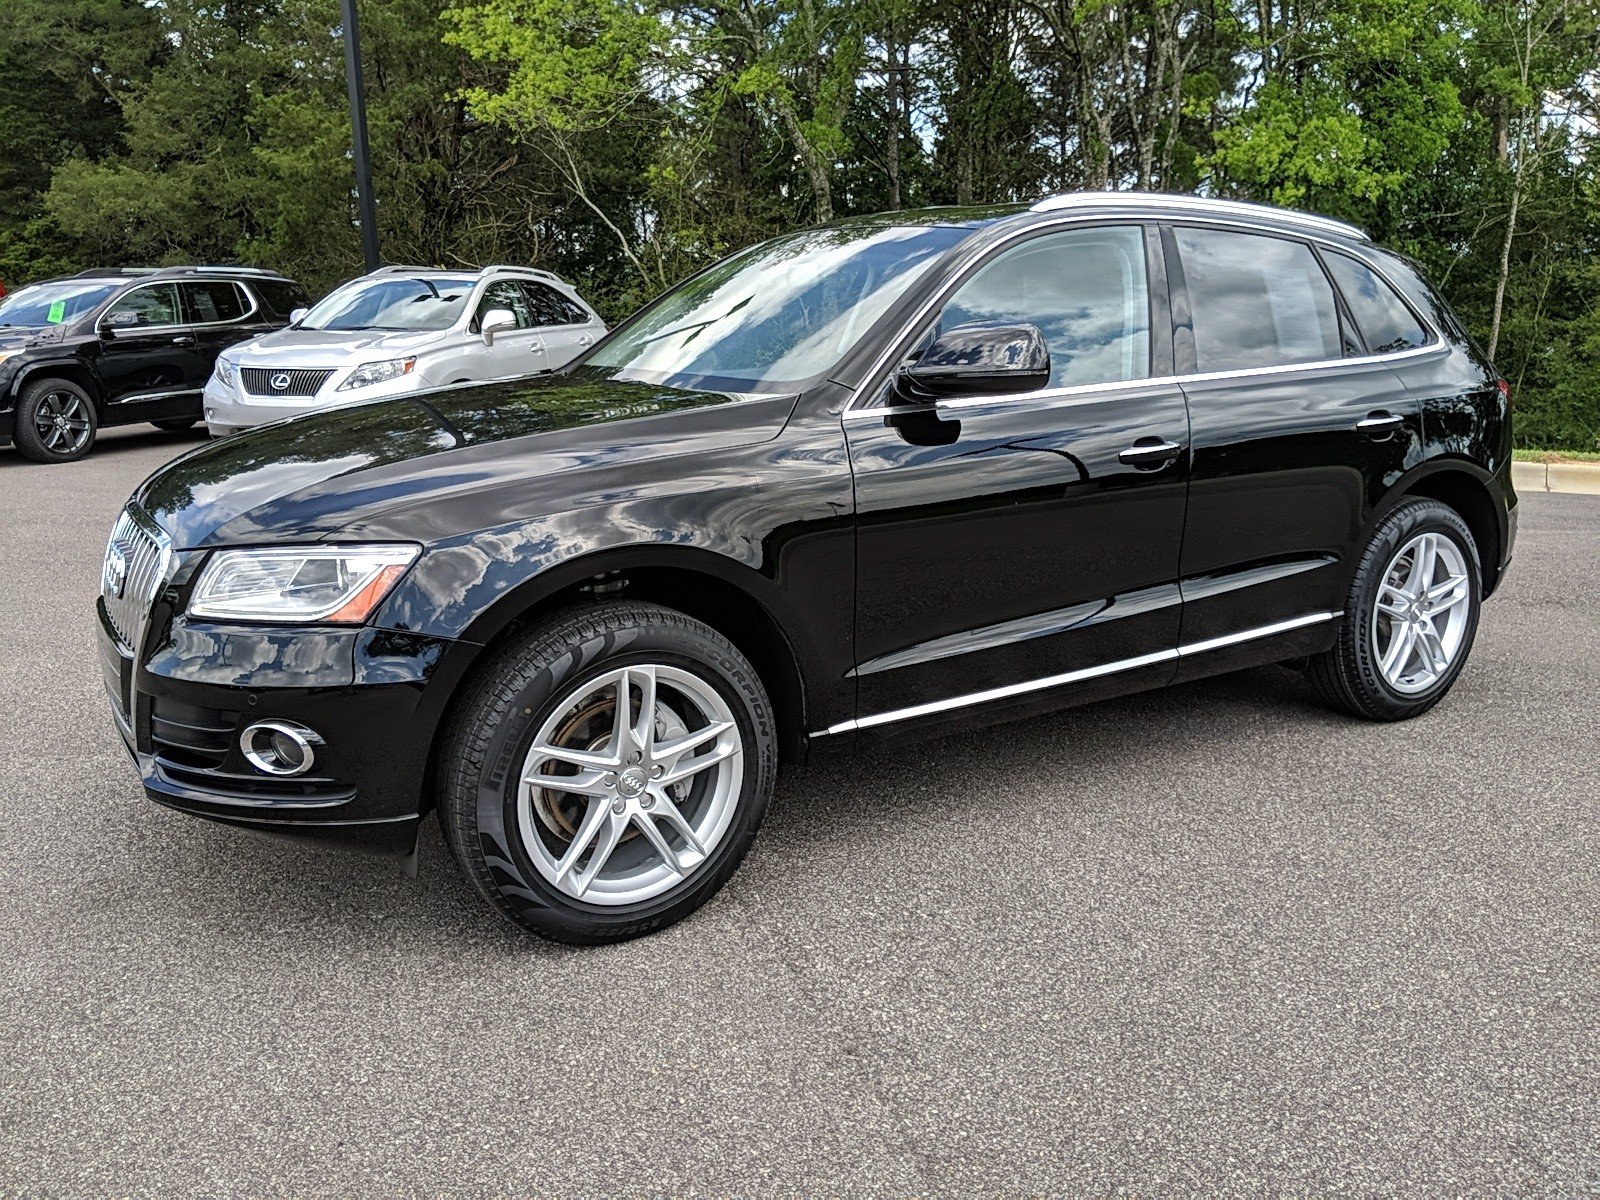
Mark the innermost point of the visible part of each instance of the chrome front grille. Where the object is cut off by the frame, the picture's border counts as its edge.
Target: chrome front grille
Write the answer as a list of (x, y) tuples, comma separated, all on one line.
[(135, 566), (273, 381)]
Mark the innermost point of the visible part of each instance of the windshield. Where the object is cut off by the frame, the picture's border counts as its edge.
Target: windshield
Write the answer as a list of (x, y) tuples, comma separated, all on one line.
[(53, 303), (395, 303), (778, 314)]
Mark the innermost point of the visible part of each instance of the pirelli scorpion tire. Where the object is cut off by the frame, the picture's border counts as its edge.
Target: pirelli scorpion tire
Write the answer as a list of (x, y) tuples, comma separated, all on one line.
[(1409, 619), (607, 771)]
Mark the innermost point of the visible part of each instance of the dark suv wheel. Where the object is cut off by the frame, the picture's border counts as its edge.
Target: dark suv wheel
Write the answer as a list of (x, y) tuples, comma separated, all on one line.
[(607, 771), (55, 421), (1410, 618)]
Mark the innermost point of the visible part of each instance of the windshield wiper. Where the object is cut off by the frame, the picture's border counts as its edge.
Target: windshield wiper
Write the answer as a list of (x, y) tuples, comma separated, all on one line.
[(694, 325)]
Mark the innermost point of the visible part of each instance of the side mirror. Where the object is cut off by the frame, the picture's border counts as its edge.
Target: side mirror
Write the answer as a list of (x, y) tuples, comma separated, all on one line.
[(984, 358), (297, 315), (497, 320)]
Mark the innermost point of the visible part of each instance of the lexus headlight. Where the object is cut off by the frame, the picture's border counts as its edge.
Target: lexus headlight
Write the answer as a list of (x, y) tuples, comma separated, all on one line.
[(336, 585), (378, 372), (224, 372)]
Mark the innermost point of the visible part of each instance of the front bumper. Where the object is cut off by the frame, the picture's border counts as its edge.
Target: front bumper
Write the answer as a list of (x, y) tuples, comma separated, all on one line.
[(231, 410), (375, 697)]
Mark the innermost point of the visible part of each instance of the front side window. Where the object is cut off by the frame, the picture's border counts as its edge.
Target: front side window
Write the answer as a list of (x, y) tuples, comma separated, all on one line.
[(52, 303), (550, 307), (394, 303), (504, 295), (1387, 324), (152, 305), (1086, 291), (777, 315), (1256, 301), (214, 301)]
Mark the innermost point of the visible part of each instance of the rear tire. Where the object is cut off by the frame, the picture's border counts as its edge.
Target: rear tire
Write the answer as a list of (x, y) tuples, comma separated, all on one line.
[(1410, 617), (56, 422), (659, 812), (175, 424)]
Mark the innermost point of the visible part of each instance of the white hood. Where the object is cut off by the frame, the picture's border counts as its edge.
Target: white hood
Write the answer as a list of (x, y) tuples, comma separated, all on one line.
[(330, 347)]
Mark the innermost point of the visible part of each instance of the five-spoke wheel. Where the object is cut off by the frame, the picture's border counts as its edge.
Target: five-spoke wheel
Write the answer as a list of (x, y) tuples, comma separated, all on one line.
[(1410, 617), (608, 770)]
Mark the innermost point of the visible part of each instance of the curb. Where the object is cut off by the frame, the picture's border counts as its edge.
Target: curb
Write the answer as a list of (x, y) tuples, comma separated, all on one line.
[(1581, 478)]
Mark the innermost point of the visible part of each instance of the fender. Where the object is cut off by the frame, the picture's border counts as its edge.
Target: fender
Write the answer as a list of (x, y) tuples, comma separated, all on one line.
[(73, 368), (1482, 498)]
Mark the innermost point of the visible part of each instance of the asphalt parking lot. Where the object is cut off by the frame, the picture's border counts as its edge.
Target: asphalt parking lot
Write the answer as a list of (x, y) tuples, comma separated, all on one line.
[(1212, 938)]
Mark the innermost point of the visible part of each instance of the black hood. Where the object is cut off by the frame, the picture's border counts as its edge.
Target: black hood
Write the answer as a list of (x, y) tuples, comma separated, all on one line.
[(360, 468)]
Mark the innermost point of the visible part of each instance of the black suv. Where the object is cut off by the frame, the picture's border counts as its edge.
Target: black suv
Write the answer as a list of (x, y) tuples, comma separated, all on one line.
[(905, 473), (117, 347)]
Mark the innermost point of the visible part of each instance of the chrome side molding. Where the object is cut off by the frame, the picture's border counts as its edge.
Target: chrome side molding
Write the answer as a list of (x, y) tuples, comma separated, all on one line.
[(1049, 681)]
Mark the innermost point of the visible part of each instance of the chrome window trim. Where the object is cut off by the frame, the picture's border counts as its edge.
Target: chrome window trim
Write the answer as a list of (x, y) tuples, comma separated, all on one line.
[(255, 307), (856, 409), (1065, 677)]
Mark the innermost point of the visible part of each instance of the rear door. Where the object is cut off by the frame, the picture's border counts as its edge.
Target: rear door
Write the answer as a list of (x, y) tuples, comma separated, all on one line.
[(568, 328), (150, 363), (1011, 546), (1296, 431), (220, 314)]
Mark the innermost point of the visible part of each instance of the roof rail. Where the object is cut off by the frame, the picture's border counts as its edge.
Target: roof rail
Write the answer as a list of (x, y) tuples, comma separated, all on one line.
[(537, 272), (401, 269), (1197, 204), (108, 272)]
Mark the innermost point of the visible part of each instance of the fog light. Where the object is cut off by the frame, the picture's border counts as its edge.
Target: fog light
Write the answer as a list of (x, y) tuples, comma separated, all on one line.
[(280, 747)]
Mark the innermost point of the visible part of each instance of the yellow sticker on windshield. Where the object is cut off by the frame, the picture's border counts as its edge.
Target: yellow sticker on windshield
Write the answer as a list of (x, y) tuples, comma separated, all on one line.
[(57, 313)]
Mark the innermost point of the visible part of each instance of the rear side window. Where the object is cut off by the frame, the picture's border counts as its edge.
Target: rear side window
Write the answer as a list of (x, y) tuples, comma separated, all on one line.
[(550, 307), (1256, 301), (1386, 323), (213, 300), (1086, 291)]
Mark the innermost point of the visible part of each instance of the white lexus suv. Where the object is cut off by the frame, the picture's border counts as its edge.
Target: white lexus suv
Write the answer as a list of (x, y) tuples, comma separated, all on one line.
[(401, 330)]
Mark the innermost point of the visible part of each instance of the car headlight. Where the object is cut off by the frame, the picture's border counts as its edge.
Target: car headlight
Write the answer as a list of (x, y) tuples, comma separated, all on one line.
[(224, 372), (335, 585), (378, 372)]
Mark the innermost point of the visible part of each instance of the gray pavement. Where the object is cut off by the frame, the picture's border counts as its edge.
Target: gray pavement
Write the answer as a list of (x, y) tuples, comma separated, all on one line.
[(1214, 938)]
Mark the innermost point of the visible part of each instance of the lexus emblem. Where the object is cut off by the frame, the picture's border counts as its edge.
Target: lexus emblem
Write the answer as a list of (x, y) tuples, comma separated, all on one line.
[(116, 576), (280, 381)]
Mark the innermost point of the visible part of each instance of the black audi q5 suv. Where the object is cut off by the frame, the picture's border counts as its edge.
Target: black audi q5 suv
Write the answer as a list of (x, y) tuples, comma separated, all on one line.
[(898, 475)]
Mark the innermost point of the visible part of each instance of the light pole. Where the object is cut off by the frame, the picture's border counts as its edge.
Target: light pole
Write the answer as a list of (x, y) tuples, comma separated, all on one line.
[(358, 135)]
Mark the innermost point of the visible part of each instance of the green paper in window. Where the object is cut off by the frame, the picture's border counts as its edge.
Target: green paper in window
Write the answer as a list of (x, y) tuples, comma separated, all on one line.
[(57, 313)]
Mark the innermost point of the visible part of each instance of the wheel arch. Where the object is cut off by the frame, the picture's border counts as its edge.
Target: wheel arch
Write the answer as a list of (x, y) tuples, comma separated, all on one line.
[(701, 584), (69, 369), (1469, 490)]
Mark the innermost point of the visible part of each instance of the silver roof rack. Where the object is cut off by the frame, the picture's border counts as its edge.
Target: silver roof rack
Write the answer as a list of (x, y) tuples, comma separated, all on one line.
[(1090, 201), (400, 269), (537, 272)]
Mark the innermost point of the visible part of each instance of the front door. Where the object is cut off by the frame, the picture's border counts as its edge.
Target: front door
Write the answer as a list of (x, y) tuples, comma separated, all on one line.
[(1012, 547), (150, 362), (514, 352), (1297, 432)]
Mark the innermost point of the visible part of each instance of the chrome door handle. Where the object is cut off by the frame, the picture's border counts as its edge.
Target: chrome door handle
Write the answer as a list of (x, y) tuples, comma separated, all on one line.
[(585, 340), (183, 339), (1150, 452), (1380, 422)]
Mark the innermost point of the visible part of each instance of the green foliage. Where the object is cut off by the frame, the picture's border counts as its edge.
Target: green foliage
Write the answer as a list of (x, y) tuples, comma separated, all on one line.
[(627, 143)]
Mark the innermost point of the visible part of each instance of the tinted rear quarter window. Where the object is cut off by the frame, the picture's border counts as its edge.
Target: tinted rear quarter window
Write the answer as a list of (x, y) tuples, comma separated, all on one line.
[(1385, 321), (280, 296), (1256, 301)]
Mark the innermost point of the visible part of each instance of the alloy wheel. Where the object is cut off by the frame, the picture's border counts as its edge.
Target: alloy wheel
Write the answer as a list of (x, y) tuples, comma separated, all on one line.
[(1421, 613), (61, 420), (630, 784)]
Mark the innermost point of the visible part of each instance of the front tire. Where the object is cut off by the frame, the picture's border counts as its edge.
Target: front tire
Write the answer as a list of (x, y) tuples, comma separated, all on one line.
[(1410, 617), (607, 772), (56, 422)]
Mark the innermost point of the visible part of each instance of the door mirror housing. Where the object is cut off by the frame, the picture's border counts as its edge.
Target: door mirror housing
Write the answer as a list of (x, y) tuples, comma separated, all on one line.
[(497, 320), (297, 315), (983, 358)]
